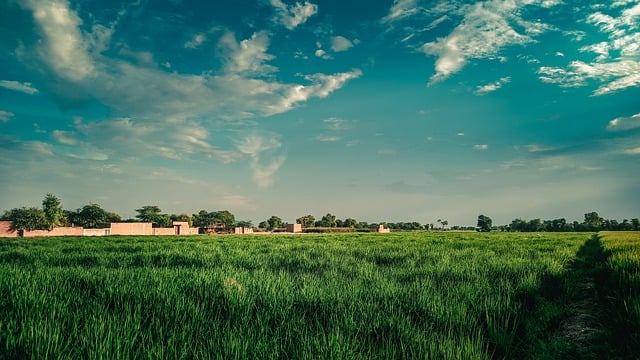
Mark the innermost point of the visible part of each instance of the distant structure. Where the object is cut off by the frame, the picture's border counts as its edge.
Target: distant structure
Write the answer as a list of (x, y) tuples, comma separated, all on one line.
[(294, 228), (243, 230), (382, 229), (136, 228)]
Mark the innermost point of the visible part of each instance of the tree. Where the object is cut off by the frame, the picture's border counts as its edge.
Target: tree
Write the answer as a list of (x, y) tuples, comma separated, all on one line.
[(444, 224), (263, 225), (635, 223), (27, 219), (593, 221), (181, 218), (306, 221), (90, 216), (484, 223), (203, 219), (152, 214), (225, 218), (274, 223), (53, 211), (244, 224), (328, 220), (349, 223)]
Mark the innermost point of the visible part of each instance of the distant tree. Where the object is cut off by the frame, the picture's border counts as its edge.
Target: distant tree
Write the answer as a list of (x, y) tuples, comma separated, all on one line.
[(90, 216), (244, 224), (274, 223), (635, 224), (53, 211), (535, 225), (203, 219), (181, 218), (27, 219), (306, 221), (518, 225), (263, 225), (350, 223), (593, 221), (329, 220), (153, 214), (444, 224), (225, 218), (484, 223)]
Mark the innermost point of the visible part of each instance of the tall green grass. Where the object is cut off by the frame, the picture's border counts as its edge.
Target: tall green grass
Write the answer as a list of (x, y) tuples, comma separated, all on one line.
[(622, 286), (410, 295)]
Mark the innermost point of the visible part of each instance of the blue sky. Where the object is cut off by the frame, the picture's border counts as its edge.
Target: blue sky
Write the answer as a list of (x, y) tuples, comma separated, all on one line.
[(400, 110)]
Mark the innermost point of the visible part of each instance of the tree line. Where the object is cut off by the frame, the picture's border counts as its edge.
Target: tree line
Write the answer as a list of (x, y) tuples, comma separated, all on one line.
[(92, 216)]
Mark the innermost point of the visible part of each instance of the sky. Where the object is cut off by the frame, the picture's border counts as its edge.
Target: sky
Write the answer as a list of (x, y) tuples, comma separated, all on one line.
[(395, 110)]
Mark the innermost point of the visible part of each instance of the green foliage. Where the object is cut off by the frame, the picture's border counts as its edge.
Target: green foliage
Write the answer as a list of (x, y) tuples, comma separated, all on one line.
[(53, 211), (484, 223), (91, 216), (153, 214), (27, 219), (274, 222), (206, 219), (306, 221), (328, 220), (407, 295)]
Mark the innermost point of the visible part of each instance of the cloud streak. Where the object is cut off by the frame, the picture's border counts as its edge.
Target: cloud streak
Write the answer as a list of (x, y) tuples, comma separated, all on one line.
[(24, 87)]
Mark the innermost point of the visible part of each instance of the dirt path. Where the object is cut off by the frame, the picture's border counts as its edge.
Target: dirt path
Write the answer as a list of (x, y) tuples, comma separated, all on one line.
[(584, 332)]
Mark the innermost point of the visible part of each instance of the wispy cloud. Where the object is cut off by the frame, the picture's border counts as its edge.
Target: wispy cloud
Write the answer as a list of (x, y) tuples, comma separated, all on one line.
[(294, 15), (265, 159), (485, 29), (24, 87), (481, 147), (340, 44), (616, 66), (624, 123), (196, 41), (6, 115), (328, 138), (485, 89)]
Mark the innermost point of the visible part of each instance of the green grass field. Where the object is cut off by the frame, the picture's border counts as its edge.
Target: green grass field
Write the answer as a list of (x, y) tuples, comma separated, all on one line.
[(399, 295)]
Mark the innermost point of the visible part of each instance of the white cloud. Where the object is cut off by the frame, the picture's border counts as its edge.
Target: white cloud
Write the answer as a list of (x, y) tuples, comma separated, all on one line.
[(336, 124), (64, 48), (249, 56), (614, 76), (481, 147), (195, 42), (321, 86), (633, 151), (340, 43), (401, 9), (616, 66), (64, 137), (264, 159), (6, 115), (483, 32), (322, 54), (485, 89), (294, 15), (624, 123), (24, 87), (327, 138)]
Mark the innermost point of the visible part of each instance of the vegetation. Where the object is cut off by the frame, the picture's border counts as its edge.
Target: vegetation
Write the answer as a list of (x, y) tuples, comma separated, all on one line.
[(404, 295), (619, 286)]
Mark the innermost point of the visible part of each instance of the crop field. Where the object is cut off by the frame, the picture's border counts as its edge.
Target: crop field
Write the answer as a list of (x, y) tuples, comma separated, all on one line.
[(342, 296)]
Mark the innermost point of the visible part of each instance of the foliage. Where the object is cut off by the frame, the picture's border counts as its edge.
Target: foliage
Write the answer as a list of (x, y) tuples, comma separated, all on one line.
[(484, 223), (212, 219), (27, 219), (153, 214), (328, 220), (408, 295), (53, 211), (92, 216), (274, 222), (306, 221)]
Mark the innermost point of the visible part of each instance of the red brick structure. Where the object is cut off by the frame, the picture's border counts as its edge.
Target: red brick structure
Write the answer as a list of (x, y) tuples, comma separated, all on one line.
[(5, 229)]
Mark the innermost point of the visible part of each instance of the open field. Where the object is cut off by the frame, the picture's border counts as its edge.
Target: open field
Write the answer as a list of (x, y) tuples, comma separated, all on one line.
[(399, 295)]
